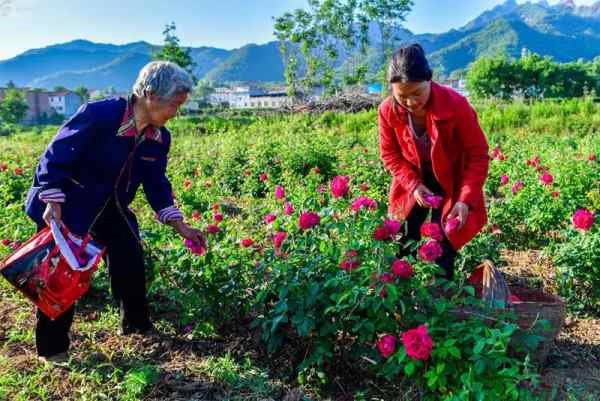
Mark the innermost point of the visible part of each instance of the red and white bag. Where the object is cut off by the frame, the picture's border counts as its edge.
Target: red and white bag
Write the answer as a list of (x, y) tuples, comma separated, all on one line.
[(53, 268)]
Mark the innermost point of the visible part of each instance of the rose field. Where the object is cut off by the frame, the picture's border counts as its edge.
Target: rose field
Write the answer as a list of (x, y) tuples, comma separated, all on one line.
[(299, 294)]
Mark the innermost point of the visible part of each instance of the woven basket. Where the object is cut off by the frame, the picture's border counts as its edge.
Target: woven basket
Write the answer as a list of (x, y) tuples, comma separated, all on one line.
[(530, 306)]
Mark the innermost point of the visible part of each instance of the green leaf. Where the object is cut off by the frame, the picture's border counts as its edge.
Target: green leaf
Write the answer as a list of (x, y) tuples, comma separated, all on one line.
[(409, 369)]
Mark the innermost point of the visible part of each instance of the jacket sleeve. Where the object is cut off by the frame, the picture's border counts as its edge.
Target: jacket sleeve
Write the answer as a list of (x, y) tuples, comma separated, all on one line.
[(392, 157), (63, 152), (476, 155), (158, 190)]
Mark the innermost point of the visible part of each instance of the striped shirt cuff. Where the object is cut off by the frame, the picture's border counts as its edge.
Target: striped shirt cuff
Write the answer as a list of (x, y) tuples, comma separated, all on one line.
[(170, 213), (52, 195)]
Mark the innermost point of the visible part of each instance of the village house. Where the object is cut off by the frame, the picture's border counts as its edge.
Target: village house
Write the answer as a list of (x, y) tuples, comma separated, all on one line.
[(43, 104)]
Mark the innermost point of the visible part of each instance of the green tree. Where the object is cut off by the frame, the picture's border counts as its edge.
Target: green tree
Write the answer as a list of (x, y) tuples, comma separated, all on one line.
[(172, 51), (83, 92), (313, 40), (491, 77), (13, 107), (531, 77)]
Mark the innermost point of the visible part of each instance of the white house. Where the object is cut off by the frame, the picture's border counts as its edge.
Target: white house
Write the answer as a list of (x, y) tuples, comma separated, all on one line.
[(64, 102), (269, 100)]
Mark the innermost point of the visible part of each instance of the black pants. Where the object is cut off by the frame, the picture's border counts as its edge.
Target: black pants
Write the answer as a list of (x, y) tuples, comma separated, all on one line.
[(412, 228), (125, 263)]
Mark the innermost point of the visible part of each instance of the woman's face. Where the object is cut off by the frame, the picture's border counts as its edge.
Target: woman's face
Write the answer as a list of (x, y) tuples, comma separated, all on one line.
[(413, 96), (161, 110)]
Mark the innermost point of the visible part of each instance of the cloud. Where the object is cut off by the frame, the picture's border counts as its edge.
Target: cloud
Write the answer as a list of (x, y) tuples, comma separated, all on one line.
[(5, 7)]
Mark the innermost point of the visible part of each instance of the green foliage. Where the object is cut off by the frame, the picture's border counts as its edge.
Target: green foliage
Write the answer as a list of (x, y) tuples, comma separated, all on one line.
[(329, 31), (13, 107), (172, 51), (532, 76), (578, 262)]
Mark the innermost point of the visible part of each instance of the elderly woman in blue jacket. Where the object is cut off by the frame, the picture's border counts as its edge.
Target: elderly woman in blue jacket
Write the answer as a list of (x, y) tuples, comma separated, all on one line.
[(90, 173)]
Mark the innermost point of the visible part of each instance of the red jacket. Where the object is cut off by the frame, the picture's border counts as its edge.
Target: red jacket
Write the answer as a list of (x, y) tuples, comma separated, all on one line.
[(459, 154)]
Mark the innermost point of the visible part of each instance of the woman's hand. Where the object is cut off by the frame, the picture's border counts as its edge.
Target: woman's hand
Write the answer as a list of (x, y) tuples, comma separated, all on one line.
[(53, 211), (188, 232), (419, 193), (459, 211)]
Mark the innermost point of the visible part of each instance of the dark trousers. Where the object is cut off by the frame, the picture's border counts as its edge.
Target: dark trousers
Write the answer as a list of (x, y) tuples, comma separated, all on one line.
[(125, 262), (412, 228)]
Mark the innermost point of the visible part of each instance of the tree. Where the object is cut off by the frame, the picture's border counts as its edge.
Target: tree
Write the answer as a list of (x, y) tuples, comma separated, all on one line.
[(530, 77), (83, 92), (313, 40), (172, 51), (491, 77), (13, 107)]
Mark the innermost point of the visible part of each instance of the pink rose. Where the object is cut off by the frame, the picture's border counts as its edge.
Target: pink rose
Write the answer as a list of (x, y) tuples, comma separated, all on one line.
[(308, 220), (430, 251), (393, 226), (279, 192), (432, 230), (269, 218), (517, 186), (504, 179), (452, 224), (402, 269), (435, 201), (418, 343), (288, 209), (339, 186), (197, 249), (363, 202), (278, 239), (218, 217), (386, 345), (583, 219), (546, 178)]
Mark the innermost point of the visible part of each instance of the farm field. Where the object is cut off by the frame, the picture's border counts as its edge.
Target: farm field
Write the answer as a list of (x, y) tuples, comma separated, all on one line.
[(300, 296)]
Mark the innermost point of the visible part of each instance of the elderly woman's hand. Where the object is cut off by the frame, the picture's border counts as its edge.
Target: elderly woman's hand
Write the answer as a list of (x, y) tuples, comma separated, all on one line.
[(53, 211), (188, 232)]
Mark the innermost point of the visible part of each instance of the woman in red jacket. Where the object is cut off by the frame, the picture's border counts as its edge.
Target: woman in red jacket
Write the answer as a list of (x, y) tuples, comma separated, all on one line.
[(432, 144)]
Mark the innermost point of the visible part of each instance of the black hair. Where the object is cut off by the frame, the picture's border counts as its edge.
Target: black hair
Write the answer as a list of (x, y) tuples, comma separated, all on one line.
[(409, 64)]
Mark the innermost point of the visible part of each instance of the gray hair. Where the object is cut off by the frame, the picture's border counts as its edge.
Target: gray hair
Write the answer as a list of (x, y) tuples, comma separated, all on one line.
[(163, 78)]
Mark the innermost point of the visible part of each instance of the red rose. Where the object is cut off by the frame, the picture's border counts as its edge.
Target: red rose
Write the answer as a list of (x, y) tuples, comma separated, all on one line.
[(430, 251), (402, 269), (432, 230), (339, 186), (247, 242), (386, 345), (418, 343), (308, 220)]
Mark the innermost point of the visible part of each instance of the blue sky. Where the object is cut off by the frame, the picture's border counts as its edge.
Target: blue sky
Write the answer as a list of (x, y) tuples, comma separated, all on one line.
[(26, 24)]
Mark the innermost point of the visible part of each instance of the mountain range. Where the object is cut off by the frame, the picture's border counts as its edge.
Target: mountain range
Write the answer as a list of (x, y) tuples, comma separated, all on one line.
[(564, 31)]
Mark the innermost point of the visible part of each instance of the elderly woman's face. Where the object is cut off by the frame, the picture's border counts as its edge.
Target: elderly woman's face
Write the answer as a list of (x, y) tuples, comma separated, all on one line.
[(413, 96), (161, 110)]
